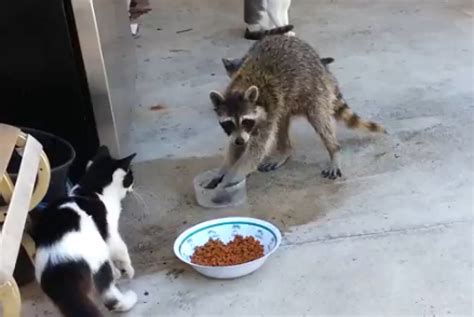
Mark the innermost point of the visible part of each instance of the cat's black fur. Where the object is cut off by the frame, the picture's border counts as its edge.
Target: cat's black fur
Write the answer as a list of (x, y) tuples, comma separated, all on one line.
[(50, 226), (67, 285), (252, 9), (99, 173)]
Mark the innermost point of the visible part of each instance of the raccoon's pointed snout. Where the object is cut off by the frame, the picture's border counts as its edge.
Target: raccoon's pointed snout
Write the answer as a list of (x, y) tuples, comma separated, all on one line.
[(239, 141)]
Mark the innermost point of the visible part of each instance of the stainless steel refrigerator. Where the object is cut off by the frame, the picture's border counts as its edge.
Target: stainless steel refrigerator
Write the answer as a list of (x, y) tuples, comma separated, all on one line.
[(68, 67)]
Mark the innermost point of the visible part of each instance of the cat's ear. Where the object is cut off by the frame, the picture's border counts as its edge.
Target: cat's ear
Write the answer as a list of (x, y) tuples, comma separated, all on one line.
[(125, 162), (102, 152)]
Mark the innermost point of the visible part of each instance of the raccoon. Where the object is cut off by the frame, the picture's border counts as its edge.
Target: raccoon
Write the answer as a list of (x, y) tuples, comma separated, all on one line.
[(281, 77), (232, 65)]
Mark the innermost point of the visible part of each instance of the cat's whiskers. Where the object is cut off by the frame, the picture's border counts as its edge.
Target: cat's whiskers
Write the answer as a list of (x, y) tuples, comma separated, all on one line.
[(143, 191), (141, 201)]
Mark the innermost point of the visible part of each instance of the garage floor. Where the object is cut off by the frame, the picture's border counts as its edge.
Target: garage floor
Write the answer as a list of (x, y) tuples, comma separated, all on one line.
[(393, 237)]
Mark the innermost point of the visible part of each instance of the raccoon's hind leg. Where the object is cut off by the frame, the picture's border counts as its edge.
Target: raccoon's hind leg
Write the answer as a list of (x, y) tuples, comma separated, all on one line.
[(324, 125), (112, 297), (282, 151)]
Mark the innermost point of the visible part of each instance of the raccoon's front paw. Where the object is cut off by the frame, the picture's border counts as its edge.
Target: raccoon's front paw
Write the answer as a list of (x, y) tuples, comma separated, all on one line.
[(214, 182), (273, 163), (332, 173), (125, 268)]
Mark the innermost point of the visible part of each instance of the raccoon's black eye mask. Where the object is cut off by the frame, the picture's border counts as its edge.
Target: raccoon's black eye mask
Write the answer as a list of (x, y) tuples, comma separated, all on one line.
[(228, 127), (248, 124)]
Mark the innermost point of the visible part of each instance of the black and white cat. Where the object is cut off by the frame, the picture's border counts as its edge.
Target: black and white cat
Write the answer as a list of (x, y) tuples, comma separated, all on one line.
[(79, 247), (260, 15)]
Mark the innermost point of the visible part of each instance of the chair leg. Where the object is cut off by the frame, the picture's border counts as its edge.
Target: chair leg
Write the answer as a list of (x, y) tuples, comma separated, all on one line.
[(10, 297), (29, 245)]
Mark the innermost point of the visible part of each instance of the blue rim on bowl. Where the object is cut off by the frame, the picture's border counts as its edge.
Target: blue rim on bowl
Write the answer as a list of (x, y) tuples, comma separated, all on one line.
[(184, 236)]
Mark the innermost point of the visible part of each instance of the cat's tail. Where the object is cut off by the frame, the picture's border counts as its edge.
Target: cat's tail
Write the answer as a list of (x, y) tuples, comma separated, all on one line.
[(68, 285), (258, 35)]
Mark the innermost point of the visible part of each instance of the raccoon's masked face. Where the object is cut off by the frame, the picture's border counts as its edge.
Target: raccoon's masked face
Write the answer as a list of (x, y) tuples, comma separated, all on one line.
[(238, 113)]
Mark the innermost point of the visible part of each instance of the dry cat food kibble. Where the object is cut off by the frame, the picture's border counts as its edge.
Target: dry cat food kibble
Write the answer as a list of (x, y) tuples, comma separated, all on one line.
[(237, 251)]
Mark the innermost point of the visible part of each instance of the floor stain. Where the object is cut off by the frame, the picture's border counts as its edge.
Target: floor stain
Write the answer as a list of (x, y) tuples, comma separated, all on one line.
[(292, 196), (157, 107), (175, 273)]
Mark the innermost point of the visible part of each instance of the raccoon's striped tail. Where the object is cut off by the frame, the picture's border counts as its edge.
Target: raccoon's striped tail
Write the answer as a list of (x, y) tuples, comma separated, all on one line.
[(258, 35), (342, 112)]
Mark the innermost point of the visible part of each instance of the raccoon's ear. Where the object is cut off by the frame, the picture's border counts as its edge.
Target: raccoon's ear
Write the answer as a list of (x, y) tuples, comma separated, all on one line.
[(232, 65), (216, 98), (327, 60), (227, 64), (251, 94)]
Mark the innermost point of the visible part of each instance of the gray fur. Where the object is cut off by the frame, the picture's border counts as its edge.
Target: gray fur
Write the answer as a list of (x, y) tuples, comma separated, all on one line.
[(252, 11), (232, 65)]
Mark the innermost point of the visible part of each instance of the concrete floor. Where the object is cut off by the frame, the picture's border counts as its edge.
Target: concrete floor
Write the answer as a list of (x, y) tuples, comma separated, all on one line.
[(393, 237)]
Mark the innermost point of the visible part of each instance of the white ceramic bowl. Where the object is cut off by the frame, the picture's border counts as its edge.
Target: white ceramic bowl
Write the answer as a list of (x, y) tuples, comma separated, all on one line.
[(237, 193), (225, 229)]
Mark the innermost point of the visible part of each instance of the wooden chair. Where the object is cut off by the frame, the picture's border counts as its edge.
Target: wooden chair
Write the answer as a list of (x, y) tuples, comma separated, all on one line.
[(29, 189)]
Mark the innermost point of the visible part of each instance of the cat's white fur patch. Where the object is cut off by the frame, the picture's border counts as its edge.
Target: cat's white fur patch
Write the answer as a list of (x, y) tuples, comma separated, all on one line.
[(86, 244), (112, 196)]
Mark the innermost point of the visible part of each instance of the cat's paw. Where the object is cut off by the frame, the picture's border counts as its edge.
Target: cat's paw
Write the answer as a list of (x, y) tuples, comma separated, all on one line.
[(125, 268), (129, 271), (127, 302), (290, 33)]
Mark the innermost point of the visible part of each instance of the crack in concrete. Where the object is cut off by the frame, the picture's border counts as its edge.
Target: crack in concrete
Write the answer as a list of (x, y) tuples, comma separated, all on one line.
[(380, 234)]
